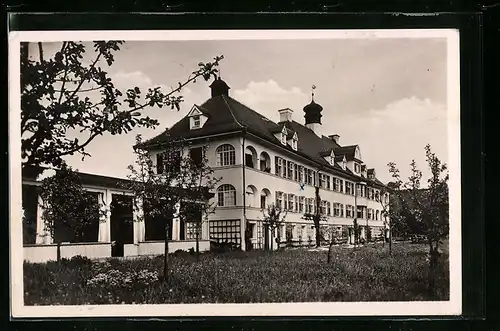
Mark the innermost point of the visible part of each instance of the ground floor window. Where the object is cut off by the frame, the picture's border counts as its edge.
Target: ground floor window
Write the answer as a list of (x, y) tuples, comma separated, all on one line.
[(225, 231), (155, 226), (190, 230)]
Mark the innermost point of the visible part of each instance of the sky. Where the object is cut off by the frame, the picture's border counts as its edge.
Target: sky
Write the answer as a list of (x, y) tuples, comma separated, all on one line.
[(389, 96)]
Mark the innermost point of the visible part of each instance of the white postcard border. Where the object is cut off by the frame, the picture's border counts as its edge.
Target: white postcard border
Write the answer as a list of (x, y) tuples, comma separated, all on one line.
[(451, 307)]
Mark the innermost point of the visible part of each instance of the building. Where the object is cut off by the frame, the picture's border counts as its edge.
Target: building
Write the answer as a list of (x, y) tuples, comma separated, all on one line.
[(120, 232), (260, 162), (263, 162)]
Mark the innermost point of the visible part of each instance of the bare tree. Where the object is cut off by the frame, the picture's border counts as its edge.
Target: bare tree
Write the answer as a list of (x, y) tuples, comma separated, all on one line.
[(384, 200), (317, 217), (273, 218), (330, 234), (196, 174)]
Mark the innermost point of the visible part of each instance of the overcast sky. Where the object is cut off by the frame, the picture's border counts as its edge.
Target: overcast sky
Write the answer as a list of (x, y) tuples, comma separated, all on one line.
[(387, 95)]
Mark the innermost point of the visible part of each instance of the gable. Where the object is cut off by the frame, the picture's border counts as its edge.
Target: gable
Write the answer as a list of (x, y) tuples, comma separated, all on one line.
[(195, 111)]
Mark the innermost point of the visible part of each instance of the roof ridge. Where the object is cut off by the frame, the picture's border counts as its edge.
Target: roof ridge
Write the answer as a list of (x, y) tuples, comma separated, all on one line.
[(253, 111), (231, 111)]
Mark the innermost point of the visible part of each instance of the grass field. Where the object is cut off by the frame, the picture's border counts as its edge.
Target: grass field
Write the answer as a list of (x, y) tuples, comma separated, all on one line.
[(366, 273)]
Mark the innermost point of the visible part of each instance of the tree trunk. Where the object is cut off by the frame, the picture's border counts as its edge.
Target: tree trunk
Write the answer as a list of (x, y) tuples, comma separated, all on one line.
[(390, 240), (197, 244), (433, 264), (330, 252), (317, 217), (58, 251), (165, 259), (272, 239)]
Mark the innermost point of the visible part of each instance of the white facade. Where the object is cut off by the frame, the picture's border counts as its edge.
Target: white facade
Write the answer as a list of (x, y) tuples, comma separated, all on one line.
[(251, 182)]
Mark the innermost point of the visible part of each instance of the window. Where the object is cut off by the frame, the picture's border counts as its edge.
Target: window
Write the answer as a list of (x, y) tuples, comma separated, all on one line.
[(225, 155), (296, 172), (226, 231), (263, 165), (309, 205), (289, 232), (301, 204), (279, 166), (310, 176), (359, 192), (294, 144), (338, 185), (196, 121), (160, 163), (377, 215), (291, 200), (283, 138), (265, 162), (369, 214), (279, 199), (321, 180), (349, 211), (285, 201), (337, 210), (301, 174), (249, 160), (196, 155), (226, 195), (360, 212), (329, 208), (323, 207), (190, 230), (290, 170), (263, 200), (356, 168), (328, 184), (296, 203), (349, 189), (377, 195)]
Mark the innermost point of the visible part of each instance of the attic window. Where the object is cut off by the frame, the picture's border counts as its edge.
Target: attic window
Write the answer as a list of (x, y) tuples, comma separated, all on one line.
[(294, 144), (196, 121), (283, 138), (357, 168)]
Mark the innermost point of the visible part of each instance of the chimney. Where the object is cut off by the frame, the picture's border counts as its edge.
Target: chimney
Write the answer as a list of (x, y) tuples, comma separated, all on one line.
[(285, 114), (334, 137)]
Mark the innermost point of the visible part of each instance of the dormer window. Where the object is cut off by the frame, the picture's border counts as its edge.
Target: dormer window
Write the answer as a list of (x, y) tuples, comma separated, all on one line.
[(295, 140), (357, 168), (196, 121), (283, 138), (196, 118)]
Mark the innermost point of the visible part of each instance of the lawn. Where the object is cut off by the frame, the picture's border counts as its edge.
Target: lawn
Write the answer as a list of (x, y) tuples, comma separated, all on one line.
[(366, 273)]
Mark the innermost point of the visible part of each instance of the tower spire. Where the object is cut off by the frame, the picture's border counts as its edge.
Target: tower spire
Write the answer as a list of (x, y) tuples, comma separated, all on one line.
[(313, 87)]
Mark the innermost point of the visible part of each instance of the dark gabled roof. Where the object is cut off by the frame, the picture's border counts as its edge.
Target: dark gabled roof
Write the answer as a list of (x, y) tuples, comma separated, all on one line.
[(348, 151), (339, 158), (226, 114), (325, 153)]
